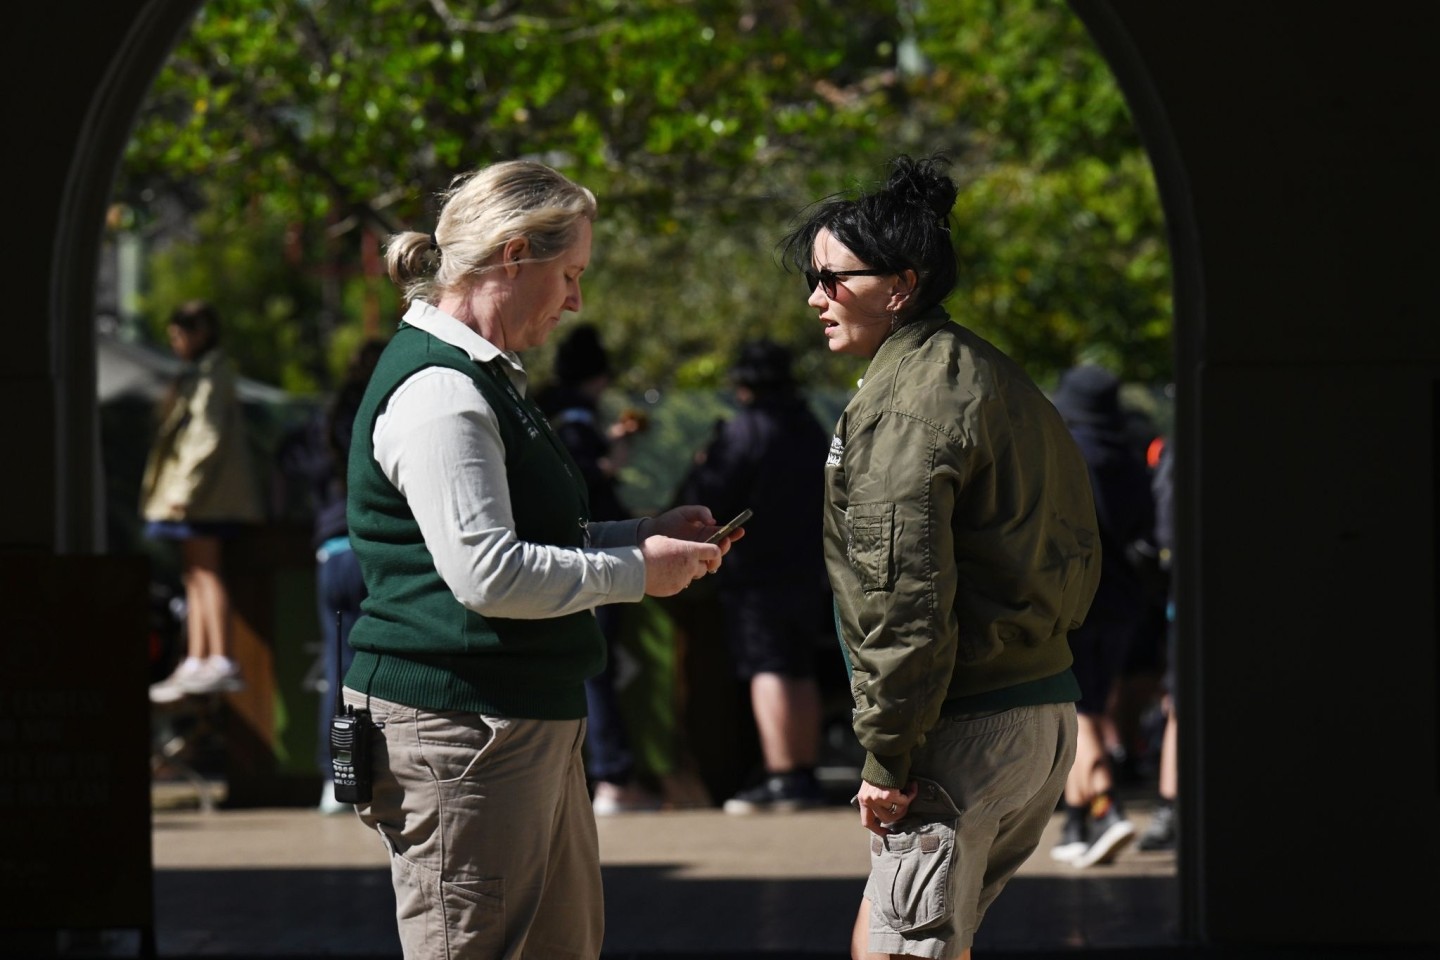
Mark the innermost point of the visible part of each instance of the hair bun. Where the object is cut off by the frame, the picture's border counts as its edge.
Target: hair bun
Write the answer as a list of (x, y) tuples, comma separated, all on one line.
[(924, 183)]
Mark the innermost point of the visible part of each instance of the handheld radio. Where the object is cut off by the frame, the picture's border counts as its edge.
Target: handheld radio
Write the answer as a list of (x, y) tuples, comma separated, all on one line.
[(350, 728)]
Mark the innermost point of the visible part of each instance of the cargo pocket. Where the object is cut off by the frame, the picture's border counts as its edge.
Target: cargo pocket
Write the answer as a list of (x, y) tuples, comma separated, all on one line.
[(909, 883), (872, 526), (467, 916), (474, 912)]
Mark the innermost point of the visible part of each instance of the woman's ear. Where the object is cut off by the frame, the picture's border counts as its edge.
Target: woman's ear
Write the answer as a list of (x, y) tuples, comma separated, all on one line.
[(512, 253), (903, 290)]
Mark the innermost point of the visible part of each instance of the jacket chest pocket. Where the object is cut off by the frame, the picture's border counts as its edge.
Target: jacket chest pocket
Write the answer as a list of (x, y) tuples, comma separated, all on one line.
[(871, 530)]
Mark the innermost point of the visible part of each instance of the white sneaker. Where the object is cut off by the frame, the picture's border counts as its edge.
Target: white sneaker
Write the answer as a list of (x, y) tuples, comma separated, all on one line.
[(175, 686), (215, 675), (166, 691), (614, 798)]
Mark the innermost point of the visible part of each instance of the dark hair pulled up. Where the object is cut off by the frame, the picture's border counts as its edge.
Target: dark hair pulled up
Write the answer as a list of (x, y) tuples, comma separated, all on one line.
[(902, 225)]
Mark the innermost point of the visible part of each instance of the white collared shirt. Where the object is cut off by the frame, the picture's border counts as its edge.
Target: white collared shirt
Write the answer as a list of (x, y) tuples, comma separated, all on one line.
[(438, 441)]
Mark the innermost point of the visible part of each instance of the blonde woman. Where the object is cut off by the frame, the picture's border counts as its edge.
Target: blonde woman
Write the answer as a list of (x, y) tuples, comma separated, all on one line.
[(482, 570)]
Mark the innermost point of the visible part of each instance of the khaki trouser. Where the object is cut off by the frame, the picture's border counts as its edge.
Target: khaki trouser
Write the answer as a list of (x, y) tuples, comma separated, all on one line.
[(493, 850)]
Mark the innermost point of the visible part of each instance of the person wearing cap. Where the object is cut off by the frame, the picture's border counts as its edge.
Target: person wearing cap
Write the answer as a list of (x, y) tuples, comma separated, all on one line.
[(1096, 829), (774, 595)]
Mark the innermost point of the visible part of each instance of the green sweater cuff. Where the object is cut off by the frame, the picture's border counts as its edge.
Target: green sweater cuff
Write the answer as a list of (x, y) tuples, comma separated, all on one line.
[(892, 772)]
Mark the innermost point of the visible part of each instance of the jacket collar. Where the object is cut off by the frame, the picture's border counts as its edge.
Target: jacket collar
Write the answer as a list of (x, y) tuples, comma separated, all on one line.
[(904, 340)]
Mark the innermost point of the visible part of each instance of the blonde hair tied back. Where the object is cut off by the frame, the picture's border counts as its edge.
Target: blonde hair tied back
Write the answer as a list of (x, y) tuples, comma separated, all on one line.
[(480, 212)]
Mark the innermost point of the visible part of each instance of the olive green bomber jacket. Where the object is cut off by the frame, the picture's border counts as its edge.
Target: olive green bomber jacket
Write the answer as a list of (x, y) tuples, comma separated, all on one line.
[(960, 538)]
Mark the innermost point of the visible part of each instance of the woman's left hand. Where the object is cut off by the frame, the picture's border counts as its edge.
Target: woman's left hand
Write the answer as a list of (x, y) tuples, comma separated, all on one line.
[(881, 806)]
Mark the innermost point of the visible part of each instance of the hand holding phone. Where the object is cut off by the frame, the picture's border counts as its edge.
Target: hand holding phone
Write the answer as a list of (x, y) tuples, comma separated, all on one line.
[(730, 527)]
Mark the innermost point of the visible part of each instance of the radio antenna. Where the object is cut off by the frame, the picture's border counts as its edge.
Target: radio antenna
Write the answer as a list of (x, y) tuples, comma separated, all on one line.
[(339, 700)]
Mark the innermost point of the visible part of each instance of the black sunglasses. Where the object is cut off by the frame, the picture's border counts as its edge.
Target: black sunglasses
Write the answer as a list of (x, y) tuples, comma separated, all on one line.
[(828, 278)]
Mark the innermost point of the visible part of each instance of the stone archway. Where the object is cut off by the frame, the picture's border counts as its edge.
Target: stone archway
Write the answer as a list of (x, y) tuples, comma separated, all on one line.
[(146, 42), (1299, 173)]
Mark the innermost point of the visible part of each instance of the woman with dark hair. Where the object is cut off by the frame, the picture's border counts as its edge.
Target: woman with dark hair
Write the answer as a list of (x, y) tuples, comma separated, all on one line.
[(198, 488), (961, 544)]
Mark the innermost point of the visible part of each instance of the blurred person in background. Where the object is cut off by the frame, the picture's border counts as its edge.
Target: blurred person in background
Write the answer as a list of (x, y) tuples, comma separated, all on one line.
[(319, 453), (199, 488), (774, 596), (1096, 828), (572, 403), (1163, 831)]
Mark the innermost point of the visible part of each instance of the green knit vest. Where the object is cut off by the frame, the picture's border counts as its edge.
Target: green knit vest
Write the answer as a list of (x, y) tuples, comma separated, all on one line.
[(415, 643)]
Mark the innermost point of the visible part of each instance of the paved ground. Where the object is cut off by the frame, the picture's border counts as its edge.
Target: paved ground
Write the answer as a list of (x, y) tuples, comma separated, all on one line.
[(288, 883)]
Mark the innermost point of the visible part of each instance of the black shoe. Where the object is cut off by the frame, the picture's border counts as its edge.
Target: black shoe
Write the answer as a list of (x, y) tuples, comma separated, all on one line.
[(779, 792), (1074, 836), (1160, 834), (1110, 831)]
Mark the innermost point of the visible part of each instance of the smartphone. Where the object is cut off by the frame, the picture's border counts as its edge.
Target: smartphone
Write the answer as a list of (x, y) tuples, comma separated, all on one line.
[(730, 527)]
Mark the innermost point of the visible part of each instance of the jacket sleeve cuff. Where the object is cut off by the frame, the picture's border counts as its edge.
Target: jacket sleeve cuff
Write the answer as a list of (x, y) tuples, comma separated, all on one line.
[(892, 772)]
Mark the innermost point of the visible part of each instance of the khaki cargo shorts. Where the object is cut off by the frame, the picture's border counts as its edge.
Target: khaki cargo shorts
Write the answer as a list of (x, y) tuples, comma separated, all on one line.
[(988, 785)]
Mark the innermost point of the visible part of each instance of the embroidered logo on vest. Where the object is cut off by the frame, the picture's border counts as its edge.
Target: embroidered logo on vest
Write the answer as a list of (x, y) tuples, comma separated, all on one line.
[(531, 428)]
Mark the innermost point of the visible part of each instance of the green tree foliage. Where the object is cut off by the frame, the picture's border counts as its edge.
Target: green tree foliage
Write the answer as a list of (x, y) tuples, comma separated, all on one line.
[(1060, 231), (703, 126)]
